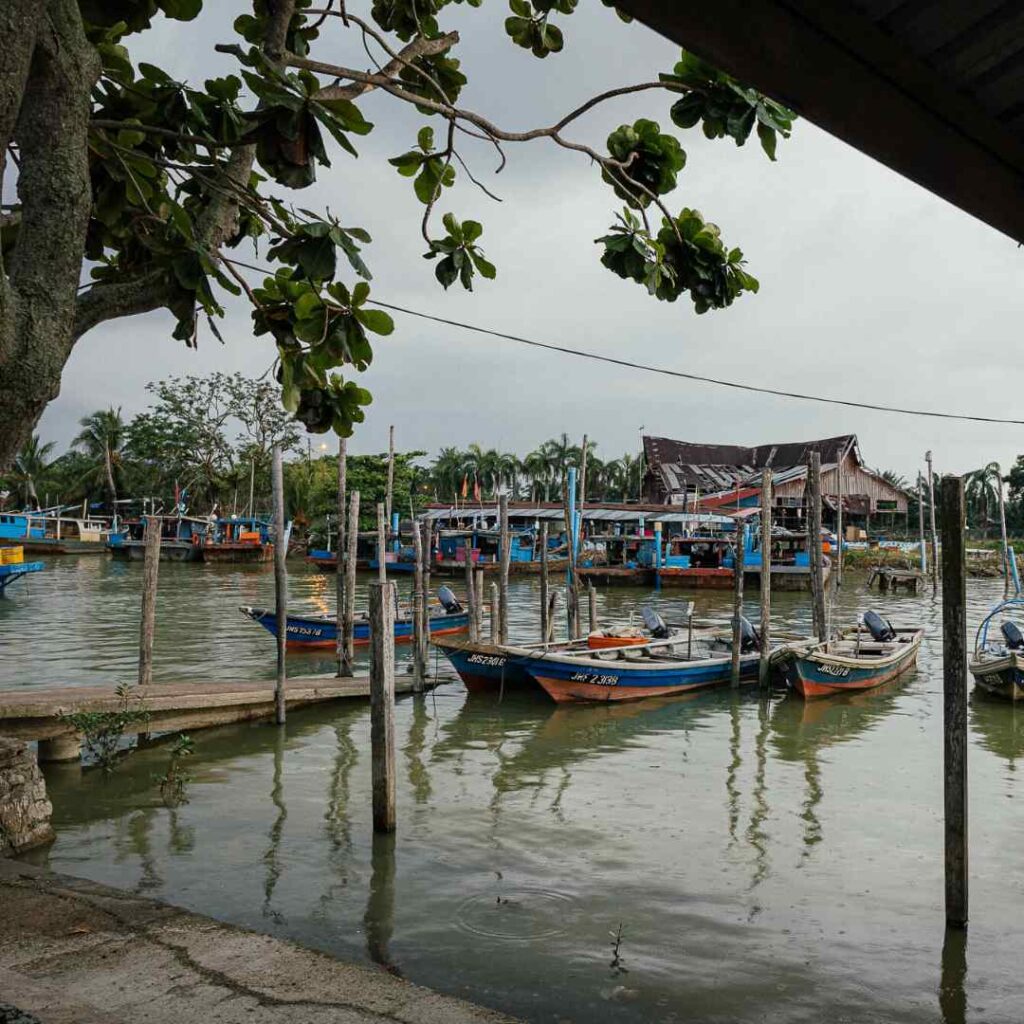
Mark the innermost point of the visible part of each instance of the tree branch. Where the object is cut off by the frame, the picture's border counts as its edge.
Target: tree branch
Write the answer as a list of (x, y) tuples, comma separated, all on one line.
[(102, 302)]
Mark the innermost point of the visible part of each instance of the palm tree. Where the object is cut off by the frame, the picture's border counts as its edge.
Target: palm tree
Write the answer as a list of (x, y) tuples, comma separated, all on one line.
[(101, 440), (484, 465), (29, 467), (508, 468), (559, 453), (537, 470), (447, 472), (983, 490)]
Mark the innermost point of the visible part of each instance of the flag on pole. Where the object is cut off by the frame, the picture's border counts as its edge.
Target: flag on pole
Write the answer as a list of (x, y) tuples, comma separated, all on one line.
[(465, 485)]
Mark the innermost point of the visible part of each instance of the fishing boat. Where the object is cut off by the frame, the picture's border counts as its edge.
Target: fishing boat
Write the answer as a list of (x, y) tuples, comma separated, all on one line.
[(241, 539), (181, 540), (998, 661), (13, 566), (47, 531), (309, 632), (872, 653)]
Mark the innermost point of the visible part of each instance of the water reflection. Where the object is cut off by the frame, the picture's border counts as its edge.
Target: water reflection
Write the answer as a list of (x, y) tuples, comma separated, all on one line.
[(379, 919), (732, 793), (272, 857), (419, 777), (999, 725), (952, 995), (756, 835)]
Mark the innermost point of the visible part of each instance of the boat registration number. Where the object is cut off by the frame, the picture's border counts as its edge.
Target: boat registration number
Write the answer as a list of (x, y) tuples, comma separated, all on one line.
[(305, 631), (835, 670), (594, 679), (493, 660)]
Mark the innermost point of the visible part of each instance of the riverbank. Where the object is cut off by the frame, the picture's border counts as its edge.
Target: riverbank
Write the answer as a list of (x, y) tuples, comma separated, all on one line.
[(75, 952)]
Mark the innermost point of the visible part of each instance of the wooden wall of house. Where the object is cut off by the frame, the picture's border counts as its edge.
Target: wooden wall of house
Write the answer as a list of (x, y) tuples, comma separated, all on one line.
[(855, 481)]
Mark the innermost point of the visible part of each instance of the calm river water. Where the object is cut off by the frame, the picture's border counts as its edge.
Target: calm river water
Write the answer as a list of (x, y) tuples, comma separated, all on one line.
[(766, 860)]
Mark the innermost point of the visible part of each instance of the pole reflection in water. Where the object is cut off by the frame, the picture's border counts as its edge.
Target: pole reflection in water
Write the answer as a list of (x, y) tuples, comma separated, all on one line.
[(419, 777), (952, 995), (337, 823), (272, 858), (732, 792), (756, 835), (379, 919), (139, 840)]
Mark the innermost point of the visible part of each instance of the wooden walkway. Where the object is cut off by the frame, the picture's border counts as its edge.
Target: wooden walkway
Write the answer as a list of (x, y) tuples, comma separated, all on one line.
[(892, 579), (31, 713)]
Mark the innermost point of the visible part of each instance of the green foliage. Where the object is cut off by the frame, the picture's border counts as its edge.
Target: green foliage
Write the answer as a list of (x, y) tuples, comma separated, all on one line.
[(432, 170), (102, 731), (529, 27), (175, 780), (724, 107), (460, 256), (649, 159)]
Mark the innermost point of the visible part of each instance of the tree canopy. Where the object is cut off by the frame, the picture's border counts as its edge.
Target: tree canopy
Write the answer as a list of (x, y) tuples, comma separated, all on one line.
[(136, 191)]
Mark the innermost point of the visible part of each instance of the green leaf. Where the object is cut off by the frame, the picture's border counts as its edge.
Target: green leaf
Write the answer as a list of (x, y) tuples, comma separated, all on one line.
[(768, 139), (360, 293), (307, 304), (375, 320), (425, 139)]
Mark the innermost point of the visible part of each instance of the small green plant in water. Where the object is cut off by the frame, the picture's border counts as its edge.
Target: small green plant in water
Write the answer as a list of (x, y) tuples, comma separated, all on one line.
[(101, 731), (175, 779)]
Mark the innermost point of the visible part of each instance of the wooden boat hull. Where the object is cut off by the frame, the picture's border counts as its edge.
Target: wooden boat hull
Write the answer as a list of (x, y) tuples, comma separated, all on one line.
[(446, 567), (170, 551), (484, 668), (817, 674), (1001, 677), (312, 632), (612, 574), (70, 546), (238, 552)]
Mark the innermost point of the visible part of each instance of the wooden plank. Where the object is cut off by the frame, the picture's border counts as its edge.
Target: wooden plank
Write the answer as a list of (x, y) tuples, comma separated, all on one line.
[(344, 668), (382, 569), (544, 629), (954, 703), (814, 544), (506, 556), (150, 574), (351, 557), (382, 704)]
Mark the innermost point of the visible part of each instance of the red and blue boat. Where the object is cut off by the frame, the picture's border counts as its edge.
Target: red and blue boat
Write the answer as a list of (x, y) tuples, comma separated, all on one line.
[(308, 632)]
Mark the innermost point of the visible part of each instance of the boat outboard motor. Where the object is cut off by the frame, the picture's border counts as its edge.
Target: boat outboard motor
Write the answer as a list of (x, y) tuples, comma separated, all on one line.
[(1012, 635), (655, 624), (881, 629), (749, 640), (449, 601)]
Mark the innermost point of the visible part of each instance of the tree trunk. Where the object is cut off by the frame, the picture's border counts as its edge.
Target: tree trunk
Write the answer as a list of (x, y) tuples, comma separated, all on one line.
[(108, 466)]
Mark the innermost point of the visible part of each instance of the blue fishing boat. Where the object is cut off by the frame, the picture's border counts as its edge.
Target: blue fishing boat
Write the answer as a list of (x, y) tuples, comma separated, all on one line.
[(998, 661), (13, 566), (308, 632)]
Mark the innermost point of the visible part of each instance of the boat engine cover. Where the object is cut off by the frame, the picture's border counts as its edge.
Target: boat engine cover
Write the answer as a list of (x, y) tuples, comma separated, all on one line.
[(654, 623), (448, 600), (881, 629), (1012, 635), (749, 640)]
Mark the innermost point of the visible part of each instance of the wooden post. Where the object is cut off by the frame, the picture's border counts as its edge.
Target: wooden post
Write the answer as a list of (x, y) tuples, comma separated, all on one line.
[(544, 583), (495, 614), (920, 522), (418, 664), (382, 570), (813, 492), (280, 580), (931, 507), (583, 473), (766, 576), (427, 532), (954, 705), (837, 569), (478, 592), (344, 668), (389, 493), (382, 704), (150, 574), (552, 606), (592, 606), (1006, 543), (506, 556), (470, 597), (737, 602), (348, 623)]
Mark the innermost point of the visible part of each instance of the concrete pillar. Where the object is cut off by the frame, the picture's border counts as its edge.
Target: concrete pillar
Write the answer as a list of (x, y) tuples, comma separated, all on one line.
[(66, 747)]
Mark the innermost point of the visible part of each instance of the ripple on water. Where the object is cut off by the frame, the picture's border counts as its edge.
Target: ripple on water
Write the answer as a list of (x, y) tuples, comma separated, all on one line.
[(516, 915)]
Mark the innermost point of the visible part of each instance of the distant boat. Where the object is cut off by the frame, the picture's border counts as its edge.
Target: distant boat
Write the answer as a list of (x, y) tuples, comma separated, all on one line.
[(49, 532), (241, 539), (181, 540), (859, 659), (308, 632), (998, 662)]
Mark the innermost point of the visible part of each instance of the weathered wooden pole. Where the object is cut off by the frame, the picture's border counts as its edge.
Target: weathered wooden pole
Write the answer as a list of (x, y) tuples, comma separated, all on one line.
[(344, 668), (506, 556), (382, 569), (954, 705), (931, 508), (737, 603), (419, 669), (479, 590), (390, 491), (813, 492), (552, 607), (348, 622), (150, 575), (583, 473), (382, 704), (766, 576), (592, 606), (495, 614), (544, 583), (280, 580), (425, 542), (474, 634), (837, 569), (920, 523), (1006, 543)]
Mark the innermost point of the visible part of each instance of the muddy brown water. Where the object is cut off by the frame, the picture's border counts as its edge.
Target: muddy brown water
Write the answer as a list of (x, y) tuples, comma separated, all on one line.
[(767, 860)]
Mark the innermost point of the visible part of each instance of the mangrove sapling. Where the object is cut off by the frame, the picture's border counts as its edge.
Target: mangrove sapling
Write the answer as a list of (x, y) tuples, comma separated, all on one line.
[(616, 944), (174, 781), (101, 731)]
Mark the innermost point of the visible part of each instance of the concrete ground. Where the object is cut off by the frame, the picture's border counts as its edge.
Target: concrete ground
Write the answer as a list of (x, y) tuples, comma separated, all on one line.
[(74, 952)]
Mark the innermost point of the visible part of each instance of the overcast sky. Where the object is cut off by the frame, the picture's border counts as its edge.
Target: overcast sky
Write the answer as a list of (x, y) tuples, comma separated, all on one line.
[(871, 288)]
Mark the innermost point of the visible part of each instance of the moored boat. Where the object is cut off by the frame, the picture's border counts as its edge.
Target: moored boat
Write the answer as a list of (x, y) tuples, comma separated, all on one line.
[(241, 539), (998, 662), (858, 659), (308, 632)]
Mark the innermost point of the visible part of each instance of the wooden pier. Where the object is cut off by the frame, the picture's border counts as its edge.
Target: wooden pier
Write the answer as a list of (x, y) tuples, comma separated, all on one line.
[(893, 579), (32, 714)]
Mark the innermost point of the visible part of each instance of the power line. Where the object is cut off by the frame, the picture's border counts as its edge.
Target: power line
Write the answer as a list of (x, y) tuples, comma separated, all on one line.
[(579, 353)]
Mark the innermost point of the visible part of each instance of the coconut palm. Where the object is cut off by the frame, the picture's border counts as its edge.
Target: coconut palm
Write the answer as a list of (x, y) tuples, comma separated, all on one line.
[(982, 491), (447, 473), (29, 468), (101, 440), (537, 470), (484, 466)]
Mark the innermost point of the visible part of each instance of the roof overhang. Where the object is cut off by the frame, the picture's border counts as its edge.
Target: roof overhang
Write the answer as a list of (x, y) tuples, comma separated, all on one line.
[(934, 91)]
